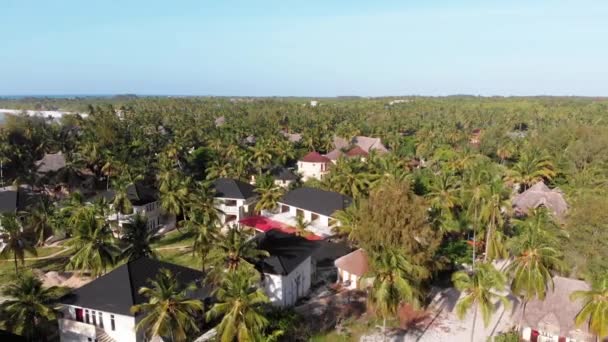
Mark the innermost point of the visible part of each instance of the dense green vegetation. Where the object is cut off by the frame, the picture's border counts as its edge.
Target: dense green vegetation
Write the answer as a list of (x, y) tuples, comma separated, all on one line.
[(439, 199)]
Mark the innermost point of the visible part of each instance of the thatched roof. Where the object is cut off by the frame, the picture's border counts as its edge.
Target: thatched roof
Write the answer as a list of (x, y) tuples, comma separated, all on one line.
[(51, 162), (354, 263), (540, 195), (556, 313), (367, 144)]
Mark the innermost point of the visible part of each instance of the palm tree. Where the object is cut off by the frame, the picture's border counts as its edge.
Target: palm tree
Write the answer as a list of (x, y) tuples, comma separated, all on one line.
[(205, 232), (301, 225), (345, 221), (121, 203), (395, 281), (41, 220), (16, 241), (29, 311), (479, 291), (260, 156), (531, 168), (444, 194), (269, 193), (236, 247), (495, 204), (174, 195), (169, 312), (240, 303), (94, 245), (138, 238), (595, 307)]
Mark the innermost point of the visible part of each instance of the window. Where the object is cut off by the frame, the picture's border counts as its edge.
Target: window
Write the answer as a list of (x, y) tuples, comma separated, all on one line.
[(87, 317), (100, 319), (112, 324), (89, 339), (94, 317)]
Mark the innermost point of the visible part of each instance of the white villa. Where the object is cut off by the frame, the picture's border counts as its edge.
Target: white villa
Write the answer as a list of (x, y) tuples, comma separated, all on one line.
[(145, 203), (234, 199), (313, 165), (288, 271), (315, 205), (101, 310)]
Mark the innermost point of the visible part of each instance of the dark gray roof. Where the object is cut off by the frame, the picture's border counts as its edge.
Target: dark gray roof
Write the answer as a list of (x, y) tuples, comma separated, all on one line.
[(316, 200), (8, 200), (138, 194), (118, 291), (283, 173), (233, 188), (287, 251)]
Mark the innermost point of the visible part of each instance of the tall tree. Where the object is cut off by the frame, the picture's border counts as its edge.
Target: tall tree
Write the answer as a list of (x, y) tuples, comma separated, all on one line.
[(169, 313), (269, 193), (16, 241), (138, 238), (531, 167), (479, 291), (240, 303), (236, 247), (595, 307), (29, 310)]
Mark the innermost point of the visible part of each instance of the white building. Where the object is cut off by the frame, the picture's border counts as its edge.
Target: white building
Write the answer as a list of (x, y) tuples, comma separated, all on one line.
[(144, 200), (288, 271), (234, 199), (313, 165), (101, 310), (351, 269), (281, 176), (316, 206)]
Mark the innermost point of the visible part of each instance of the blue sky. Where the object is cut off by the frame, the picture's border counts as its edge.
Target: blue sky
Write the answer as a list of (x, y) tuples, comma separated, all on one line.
[(306, 48)]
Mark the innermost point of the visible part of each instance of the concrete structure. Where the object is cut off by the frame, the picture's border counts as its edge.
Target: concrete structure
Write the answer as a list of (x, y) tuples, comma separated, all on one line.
[(313, 165), (351, 269), (315, 205), (234, 199), (101, 310), (288, 270), (144, 200)]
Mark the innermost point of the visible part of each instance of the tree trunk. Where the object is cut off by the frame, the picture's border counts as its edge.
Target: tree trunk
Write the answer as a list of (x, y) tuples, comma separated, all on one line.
[(16, 266), (523, 312), (473, 328), (487, 247), (474, 246)]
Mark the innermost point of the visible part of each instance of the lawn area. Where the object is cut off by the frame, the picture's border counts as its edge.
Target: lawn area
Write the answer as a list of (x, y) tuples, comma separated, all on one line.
[(182, 257), (7, 267), (354, 331), (42, 252), (175, 238)]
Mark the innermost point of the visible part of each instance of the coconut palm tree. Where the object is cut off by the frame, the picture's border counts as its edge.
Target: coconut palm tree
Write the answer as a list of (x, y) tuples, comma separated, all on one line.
[(595, 307), (269, 192), (495, 205), (138, 238), (260, 156), (94, 245), (531, 167), (29, 309), (169, 312), (206, 234), (121, 202), (345, 221), (236, 247), (16, 241), (301, 225), (42, 220), (175, 194), (395, 281), (240, 303), (480, 289)]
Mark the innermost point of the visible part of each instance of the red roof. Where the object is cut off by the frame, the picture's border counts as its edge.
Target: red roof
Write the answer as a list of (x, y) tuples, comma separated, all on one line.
[(357, 152), (265, 224), (314, 157)]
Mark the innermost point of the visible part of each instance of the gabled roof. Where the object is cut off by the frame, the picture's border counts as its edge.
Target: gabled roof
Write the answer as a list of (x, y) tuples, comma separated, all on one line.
[(138, 193), (367, 144), (283, 173), (334, 154), (556, 308), (314, 157), (316, 200), (51, 162), (118, 291), (356, 152), (354, 263), (287, 251), (233, 188), (540, 195)]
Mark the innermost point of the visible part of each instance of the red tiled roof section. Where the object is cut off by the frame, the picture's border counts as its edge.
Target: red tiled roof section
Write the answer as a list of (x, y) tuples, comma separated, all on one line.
[(357, 152), (354, 263), (314, 157)]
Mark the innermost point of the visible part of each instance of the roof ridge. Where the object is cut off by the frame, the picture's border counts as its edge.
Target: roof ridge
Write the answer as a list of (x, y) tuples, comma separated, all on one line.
[(132, 290)]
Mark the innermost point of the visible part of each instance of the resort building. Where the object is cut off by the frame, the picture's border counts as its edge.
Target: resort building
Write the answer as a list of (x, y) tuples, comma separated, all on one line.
[(101, 310), (144, 200), (351, 269), (234, 199), (359, 146), (313, 165)]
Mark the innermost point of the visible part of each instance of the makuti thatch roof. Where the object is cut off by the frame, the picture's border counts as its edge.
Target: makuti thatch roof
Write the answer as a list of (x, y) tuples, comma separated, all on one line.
[(540, 195), (51, 162)]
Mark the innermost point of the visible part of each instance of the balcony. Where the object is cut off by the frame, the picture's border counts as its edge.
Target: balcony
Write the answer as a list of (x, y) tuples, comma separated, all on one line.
[(68, 326), (228, 209)]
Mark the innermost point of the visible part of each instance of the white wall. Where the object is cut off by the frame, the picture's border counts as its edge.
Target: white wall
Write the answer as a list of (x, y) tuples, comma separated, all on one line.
[(312, 170), (124, 325), (284, 291), (243, 208)]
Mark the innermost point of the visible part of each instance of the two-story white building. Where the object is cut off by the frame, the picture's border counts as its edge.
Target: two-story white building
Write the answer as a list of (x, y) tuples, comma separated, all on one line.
[(101, 310), (313, 165), (144, 199), (288, 270), (316, 206), (234, 199)]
